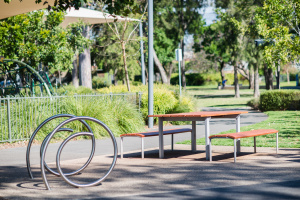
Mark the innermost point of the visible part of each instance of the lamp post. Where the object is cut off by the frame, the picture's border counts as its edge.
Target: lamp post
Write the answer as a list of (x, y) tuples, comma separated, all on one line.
[(150, 63), (142, 54)]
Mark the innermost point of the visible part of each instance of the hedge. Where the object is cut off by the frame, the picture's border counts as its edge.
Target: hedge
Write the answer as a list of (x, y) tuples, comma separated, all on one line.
[(279, 100), (213, 78)]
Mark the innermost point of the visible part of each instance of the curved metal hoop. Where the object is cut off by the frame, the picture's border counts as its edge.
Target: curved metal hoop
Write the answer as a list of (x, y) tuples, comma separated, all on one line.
[(78, 170), (62, 129), (58, 160), (49, 137)]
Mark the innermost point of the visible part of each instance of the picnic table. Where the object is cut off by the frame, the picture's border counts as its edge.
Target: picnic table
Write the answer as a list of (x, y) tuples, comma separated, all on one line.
[(205, 116)]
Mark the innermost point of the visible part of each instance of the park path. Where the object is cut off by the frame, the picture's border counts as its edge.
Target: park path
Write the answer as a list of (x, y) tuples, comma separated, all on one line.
[(81, 149)]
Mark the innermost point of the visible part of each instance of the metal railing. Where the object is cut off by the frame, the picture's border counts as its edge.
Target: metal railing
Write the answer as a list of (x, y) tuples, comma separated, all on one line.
[(19, 116)]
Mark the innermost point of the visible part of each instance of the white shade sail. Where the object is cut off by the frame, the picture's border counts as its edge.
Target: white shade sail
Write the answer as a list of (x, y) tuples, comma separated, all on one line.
[(91, 17), (16, 7)]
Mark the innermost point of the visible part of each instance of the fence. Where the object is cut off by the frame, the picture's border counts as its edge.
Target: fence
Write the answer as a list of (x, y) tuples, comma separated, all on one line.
[(20, 116)]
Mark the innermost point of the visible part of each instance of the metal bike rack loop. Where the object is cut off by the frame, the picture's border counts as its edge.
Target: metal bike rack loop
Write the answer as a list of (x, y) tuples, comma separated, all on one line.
[(59, 128)]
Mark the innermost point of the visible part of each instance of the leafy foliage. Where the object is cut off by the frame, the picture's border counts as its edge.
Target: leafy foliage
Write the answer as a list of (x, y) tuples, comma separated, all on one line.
[(31, 38), (166, 99), (280, 100), (278, 24)]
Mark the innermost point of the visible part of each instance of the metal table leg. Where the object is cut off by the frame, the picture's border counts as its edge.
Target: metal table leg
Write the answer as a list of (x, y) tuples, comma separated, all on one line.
[(194, 139), (207, 133), (238, 129), (161, 137)]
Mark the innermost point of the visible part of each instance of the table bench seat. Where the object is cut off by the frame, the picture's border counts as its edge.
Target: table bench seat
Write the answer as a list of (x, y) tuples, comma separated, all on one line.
[(142, 135), (245, 134)]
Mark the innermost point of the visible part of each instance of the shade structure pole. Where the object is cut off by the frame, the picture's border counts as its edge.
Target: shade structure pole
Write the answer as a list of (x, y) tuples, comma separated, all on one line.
[(150, 62), (142, 54)]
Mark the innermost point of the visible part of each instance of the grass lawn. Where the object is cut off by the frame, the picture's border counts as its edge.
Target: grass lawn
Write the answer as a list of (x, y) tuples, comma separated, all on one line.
[(287, 122), (210, 96)]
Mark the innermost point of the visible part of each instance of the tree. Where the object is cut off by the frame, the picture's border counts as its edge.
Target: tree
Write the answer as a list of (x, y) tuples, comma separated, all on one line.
[(29, 38), (278, 24), (214, 44), (237, 20), (107, 52), (186, 19), (124, 35), (34, 40)]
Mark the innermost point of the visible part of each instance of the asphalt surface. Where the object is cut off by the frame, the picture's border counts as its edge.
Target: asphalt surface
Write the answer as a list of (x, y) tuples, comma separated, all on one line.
[(181, 175)]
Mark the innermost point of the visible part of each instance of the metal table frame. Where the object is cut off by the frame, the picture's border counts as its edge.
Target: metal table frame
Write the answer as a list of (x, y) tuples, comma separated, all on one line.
[(194, 119)]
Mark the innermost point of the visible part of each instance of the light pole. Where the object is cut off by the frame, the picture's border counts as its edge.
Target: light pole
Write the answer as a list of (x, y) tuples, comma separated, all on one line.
[(142, 54), (150, 63)]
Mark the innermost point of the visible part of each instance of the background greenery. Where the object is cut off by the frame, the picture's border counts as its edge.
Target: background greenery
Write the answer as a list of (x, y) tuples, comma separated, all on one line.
[(287, 122), (166, 99)]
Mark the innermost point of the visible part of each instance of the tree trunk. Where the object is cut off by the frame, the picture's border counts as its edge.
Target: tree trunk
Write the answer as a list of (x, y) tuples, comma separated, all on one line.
[(270, 72), (256, 81), (266, 74), (85, 68), (236, 82), (170, 72), (115, 77), (125, 66), (162, 71), (278, 78), (75, 79), (287, 76), (222, 65), (251, 78)]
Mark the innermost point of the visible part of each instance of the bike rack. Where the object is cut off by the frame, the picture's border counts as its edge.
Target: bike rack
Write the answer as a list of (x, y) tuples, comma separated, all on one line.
[(59, 128)]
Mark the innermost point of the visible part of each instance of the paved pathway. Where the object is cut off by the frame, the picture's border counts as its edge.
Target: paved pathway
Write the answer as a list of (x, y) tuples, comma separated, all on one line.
[(182, 175)]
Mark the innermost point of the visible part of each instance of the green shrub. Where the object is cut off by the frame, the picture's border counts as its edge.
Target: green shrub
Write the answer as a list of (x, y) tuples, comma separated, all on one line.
[(280, 100), (191, 79), (253, 103), (120, 116), (212, 78), (166, 99), (71, 90), (98, 82)]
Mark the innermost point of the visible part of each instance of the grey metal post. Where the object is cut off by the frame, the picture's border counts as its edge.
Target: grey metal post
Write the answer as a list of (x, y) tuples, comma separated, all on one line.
[(235, 144), (142, 55), (121, 145), (179, 72), (277, 142), (210, 151), (254, 144), (150, 63), (207, 133), (142, 147), (172, 142), (238, 129), (161, 137), (8, 119), (193, 138)]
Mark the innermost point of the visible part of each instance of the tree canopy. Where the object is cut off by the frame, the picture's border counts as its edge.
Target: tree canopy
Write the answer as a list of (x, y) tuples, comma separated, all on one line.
[(30, 38), (278, 23)]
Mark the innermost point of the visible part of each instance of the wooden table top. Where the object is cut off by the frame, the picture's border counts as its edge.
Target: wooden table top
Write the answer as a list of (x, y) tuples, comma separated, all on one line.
[(201, 114)]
